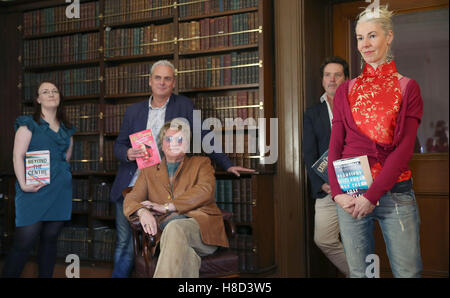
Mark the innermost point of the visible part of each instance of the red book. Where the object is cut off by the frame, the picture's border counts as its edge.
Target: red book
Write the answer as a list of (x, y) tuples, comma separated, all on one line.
[(145, 140)]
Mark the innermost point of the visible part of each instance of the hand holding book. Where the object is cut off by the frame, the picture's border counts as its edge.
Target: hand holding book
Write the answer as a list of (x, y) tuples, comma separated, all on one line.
[(32, 187), (354, 178), (356, 207), (362, 207), (347, 202), (144, 149), (37, 171), (134, 153)]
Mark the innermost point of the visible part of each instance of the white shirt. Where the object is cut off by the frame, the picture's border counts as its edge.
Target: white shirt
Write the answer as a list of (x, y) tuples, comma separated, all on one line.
[(155, 121), (330, 112)]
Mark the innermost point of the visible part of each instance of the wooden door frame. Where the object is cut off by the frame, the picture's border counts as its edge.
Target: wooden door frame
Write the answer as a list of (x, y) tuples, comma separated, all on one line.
[(289, 203)]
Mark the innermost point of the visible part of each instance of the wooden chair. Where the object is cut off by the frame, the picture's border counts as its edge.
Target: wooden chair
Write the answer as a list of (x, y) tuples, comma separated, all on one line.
[(222, 263)]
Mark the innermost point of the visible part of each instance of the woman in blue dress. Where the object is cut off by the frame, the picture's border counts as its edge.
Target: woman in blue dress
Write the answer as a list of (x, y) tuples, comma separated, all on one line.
[(41, 209)]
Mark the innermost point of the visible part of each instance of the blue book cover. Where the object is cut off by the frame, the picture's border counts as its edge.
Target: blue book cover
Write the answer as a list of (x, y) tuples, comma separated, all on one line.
[(353, 175), (320, 167)]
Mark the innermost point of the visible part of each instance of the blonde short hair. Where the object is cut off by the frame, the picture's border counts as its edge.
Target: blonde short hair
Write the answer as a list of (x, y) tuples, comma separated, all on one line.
[(380, 15)]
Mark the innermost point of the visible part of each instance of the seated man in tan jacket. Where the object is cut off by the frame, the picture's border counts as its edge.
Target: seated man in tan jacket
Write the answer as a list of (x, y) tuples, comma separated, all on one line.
[(180, 190)]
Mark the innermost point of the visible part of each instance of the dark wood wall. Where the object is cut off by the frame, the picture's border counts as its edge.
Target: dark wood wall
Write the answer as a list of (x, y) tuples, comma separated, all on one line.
[(302, 41), (9, 81), (318, 46)]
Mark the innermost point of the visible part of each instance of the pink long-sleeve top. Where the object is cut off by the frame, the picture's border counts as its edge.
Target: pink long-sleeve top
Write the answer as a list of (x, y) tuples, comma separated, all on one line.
[(349, 141)]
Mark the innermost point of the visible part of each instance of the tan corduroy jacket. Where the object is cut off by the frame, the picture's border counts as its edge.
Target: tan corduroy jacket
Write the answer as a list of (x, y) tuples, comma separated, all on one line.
[(193, 195)]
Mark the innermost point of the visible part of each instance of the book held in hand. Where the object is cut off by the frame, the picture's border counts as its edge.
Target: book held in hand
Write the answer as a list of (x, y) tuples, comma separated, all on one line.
[(37, 167), (320, 167), (353, 175), (146, 141)]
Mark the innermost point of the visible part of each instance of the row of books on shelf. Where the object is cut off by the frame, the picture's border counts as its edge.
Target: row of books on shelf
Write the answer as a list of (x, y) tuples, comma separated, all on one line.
[(232, 113), (193, 36), (198, 8), (235, 68), (238, 159), (243, 160), (143, 40), (104, 243), (71, 82), (113, 117), (83, 117), (139, 41), (200, 72), (100, 204), (79, 166), (73, 240), (119, 11), (110, 163), (243, 246), (85, 155), (76, 240), (210, 33), (61, 49), (87, 120), (227, 106), (131, 78), (235, 195), (80, 195), (54, 19)]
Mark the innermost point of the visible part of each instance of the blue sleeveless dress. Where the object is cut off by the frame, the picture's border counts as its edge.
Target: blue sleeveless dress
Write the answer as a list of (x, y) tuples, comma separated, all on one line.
[(52, 202)]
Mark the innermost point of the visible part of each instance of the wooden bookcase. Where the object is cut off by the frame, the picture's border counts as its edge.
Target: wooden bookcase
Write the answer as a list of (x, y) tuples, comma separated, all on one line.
[(222, 52)]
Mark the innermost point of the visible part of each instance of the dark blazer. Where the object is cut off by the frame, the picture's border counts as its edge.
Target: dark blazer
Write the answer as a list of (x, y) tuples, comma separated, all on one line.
[(134, 120), (316, 139)]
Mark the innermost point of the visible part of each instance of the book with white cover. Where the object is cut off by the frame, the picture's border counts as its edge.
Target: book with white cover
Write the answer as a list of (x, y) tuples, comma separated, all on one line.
[(37, 167)]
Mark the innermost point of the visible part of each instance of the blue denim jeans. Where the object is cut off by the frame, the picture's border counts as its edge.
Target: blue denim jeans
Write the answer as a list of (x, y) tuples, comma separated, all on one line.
[(124, 254), (398, 216)]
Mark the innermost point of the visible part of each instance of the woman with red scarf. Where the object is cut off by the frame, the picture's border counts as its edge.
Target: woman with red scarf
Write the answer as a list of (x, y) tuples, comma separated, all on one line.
[(377, 114)]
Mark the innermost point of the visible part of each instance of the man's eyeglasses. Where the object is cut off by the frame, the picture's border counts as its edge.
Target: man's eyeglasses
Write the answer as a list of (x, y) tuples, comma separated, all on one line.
[(169, 139), (47, 92)]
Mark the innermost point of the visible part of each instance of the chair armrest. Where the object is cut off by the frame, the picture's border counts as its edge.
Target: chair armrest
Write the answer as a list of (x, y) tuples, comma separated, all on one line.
[(143, 243), (230, 227)]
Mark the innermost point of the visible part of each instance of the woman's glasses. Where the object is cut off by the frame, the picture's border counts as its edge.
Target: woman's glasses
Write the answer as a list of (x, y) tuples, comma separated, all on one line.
[(47, 92), (169, 139)]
